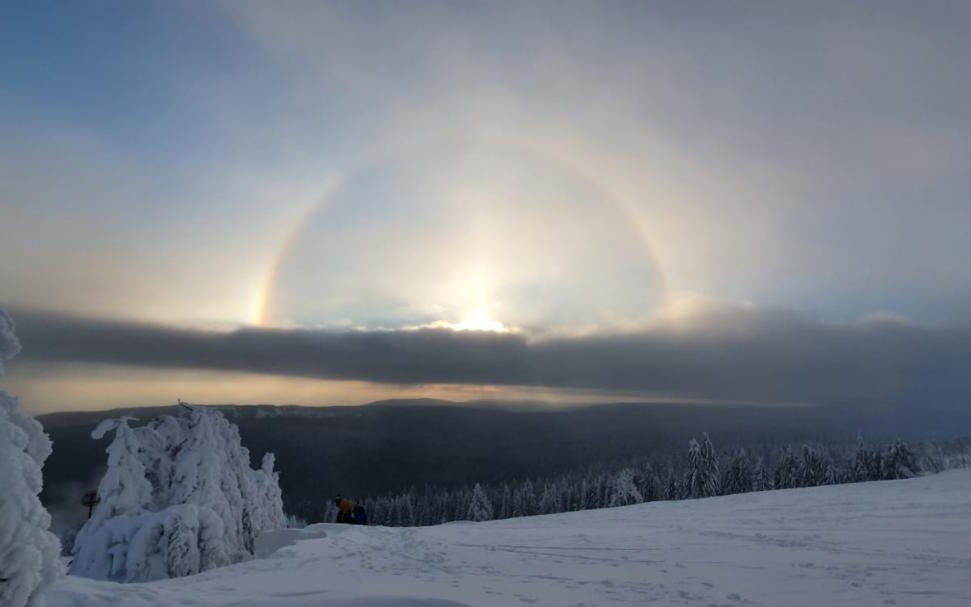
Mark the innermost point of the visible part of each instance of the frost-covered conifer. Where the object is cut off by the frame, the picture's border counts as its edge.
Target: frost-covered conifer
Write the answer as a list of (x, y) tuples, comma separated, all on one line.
[(330, 512), (29, 552), (813, 468), (178, 497), (648, 483), (761, 481), (623, 490), (898, 461), (593, 492), (404, 511), (124, 490), (738, 476), (933, 458), (834, 475), (438, 502), (524, 500), (702, 479), (480, 509), (505, 502), (125, 497), (866, 463), (463, 498), (548, 500), (674, 489), (786, 471)]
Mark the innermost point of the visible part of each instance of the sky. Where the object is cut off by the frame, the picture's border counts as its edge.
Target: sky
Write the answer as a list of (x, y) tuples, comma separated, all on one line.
[(334, 202)]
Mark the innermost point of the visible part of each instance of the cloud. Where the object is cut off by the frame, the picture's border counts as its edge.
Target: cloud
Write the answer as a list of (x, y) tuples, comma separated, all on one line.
[(750, 353)]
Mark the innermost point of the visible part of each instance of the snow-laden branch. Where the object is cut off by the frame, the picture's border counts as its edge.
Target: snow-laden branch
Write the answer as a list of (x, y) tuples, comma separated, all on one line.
[(178, 497), (28, 551)]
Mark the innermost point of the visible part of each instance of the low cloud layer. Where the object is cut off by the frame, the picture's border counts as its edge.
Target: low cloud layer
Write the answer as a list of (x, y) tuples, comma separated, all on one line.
[(727, 353)]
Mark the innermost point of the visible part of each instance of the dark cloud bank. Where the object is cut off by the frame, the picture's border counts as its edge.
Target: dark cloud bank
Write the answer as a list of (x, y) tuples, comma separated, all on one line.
[(752, 354)]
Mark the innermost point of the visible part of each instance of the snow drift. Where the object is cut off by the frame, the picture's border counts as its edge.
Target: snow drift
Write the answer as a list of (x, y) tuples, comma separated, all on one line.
[(28, 551), (178, 497)]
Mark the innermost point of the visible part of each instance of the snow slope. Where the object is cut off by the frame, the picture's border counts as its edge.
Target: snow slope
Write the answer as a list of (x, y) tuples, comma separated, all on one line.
[(886, 543)]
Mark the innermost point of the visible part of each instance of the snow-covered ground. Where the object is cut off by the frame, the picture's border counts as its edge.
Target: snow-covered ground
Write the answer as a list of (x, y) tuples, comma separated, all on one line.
[(887, 543)]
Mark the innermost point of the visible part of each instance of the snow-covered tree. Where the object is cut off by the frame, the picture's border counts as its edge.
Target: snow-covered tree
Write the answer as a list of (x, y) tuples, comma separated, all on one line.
[(123, 490), (701, 478), (898, 461), (524, 500), (814, 470), (593, 490), (672, 477), (404, 509), (761, 480), (786, 471), (330, 512), (673, 488), (549, 502), (933, 459), (125, 496), (480, 509), (178, 497), (866, 463), (462, 501), (648, 483), (504, 506), (584, 493), (623, 489), (29, 552), (738, 476)]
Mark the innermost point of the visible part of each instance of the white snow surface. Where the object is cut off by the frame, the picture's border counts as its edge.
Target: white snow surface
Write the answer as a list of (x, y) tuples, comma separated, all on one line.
[(904, 542)]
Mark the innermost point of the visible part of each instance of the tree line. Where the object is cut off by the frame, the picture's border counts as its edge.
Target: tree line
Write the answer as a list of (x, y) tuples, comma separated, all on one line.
[(698, 472)]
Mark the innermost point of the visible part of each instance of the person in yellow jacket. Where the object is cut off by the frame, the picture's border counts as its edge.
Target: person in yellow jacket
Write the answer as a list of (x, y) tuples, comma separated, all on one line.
[(345, 510)]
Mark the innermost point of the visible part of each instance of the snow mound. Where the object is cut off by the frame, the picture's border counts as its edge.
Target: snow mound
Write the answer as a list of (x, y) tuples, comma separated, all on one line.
[(270, 542)]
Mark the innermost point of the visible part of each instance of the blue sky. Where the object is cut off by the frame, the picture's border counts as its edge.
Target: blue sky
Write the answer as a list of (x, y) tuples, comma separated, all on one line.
[(183, 163)]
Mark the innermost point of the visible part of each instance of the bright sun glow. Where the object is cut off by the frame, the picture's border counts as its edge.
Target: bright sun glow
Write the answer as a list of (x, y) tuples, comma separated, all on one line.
[(479, 321)]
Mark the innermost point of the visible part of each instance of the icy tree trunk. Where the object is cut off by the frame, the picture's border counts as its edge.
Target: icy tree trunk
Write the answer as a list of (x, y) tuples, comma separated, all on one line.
[(28, 550)]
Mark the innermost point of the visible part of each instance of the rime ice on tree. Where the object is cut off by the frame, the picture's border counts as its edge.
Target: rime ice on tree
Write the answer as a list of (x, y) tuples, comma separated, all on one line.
[(28, 551), (179, 497), (480, 509), (623, 490), (702, 479), (738, 477)]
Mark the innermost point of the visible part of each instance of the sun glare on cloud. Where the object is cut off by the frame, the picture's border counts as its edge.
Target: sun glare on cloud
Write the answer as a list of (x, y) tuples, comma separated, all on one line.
[(479, 321)]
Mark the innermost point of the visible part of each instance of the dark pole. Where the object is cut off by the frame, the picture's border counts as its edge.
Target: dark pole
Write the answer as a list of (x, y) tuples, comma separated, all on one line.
[(90, 499)]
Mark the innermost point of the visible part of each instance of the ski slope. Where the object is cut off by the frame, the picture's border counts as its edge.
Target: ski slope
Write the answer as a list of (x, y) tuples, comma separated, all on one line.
[(886, 543)]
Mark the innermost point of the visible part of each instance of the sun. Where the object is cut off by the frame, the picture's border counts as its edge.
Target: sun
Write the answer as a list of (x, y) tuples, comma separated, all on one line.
[(479, 320)]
